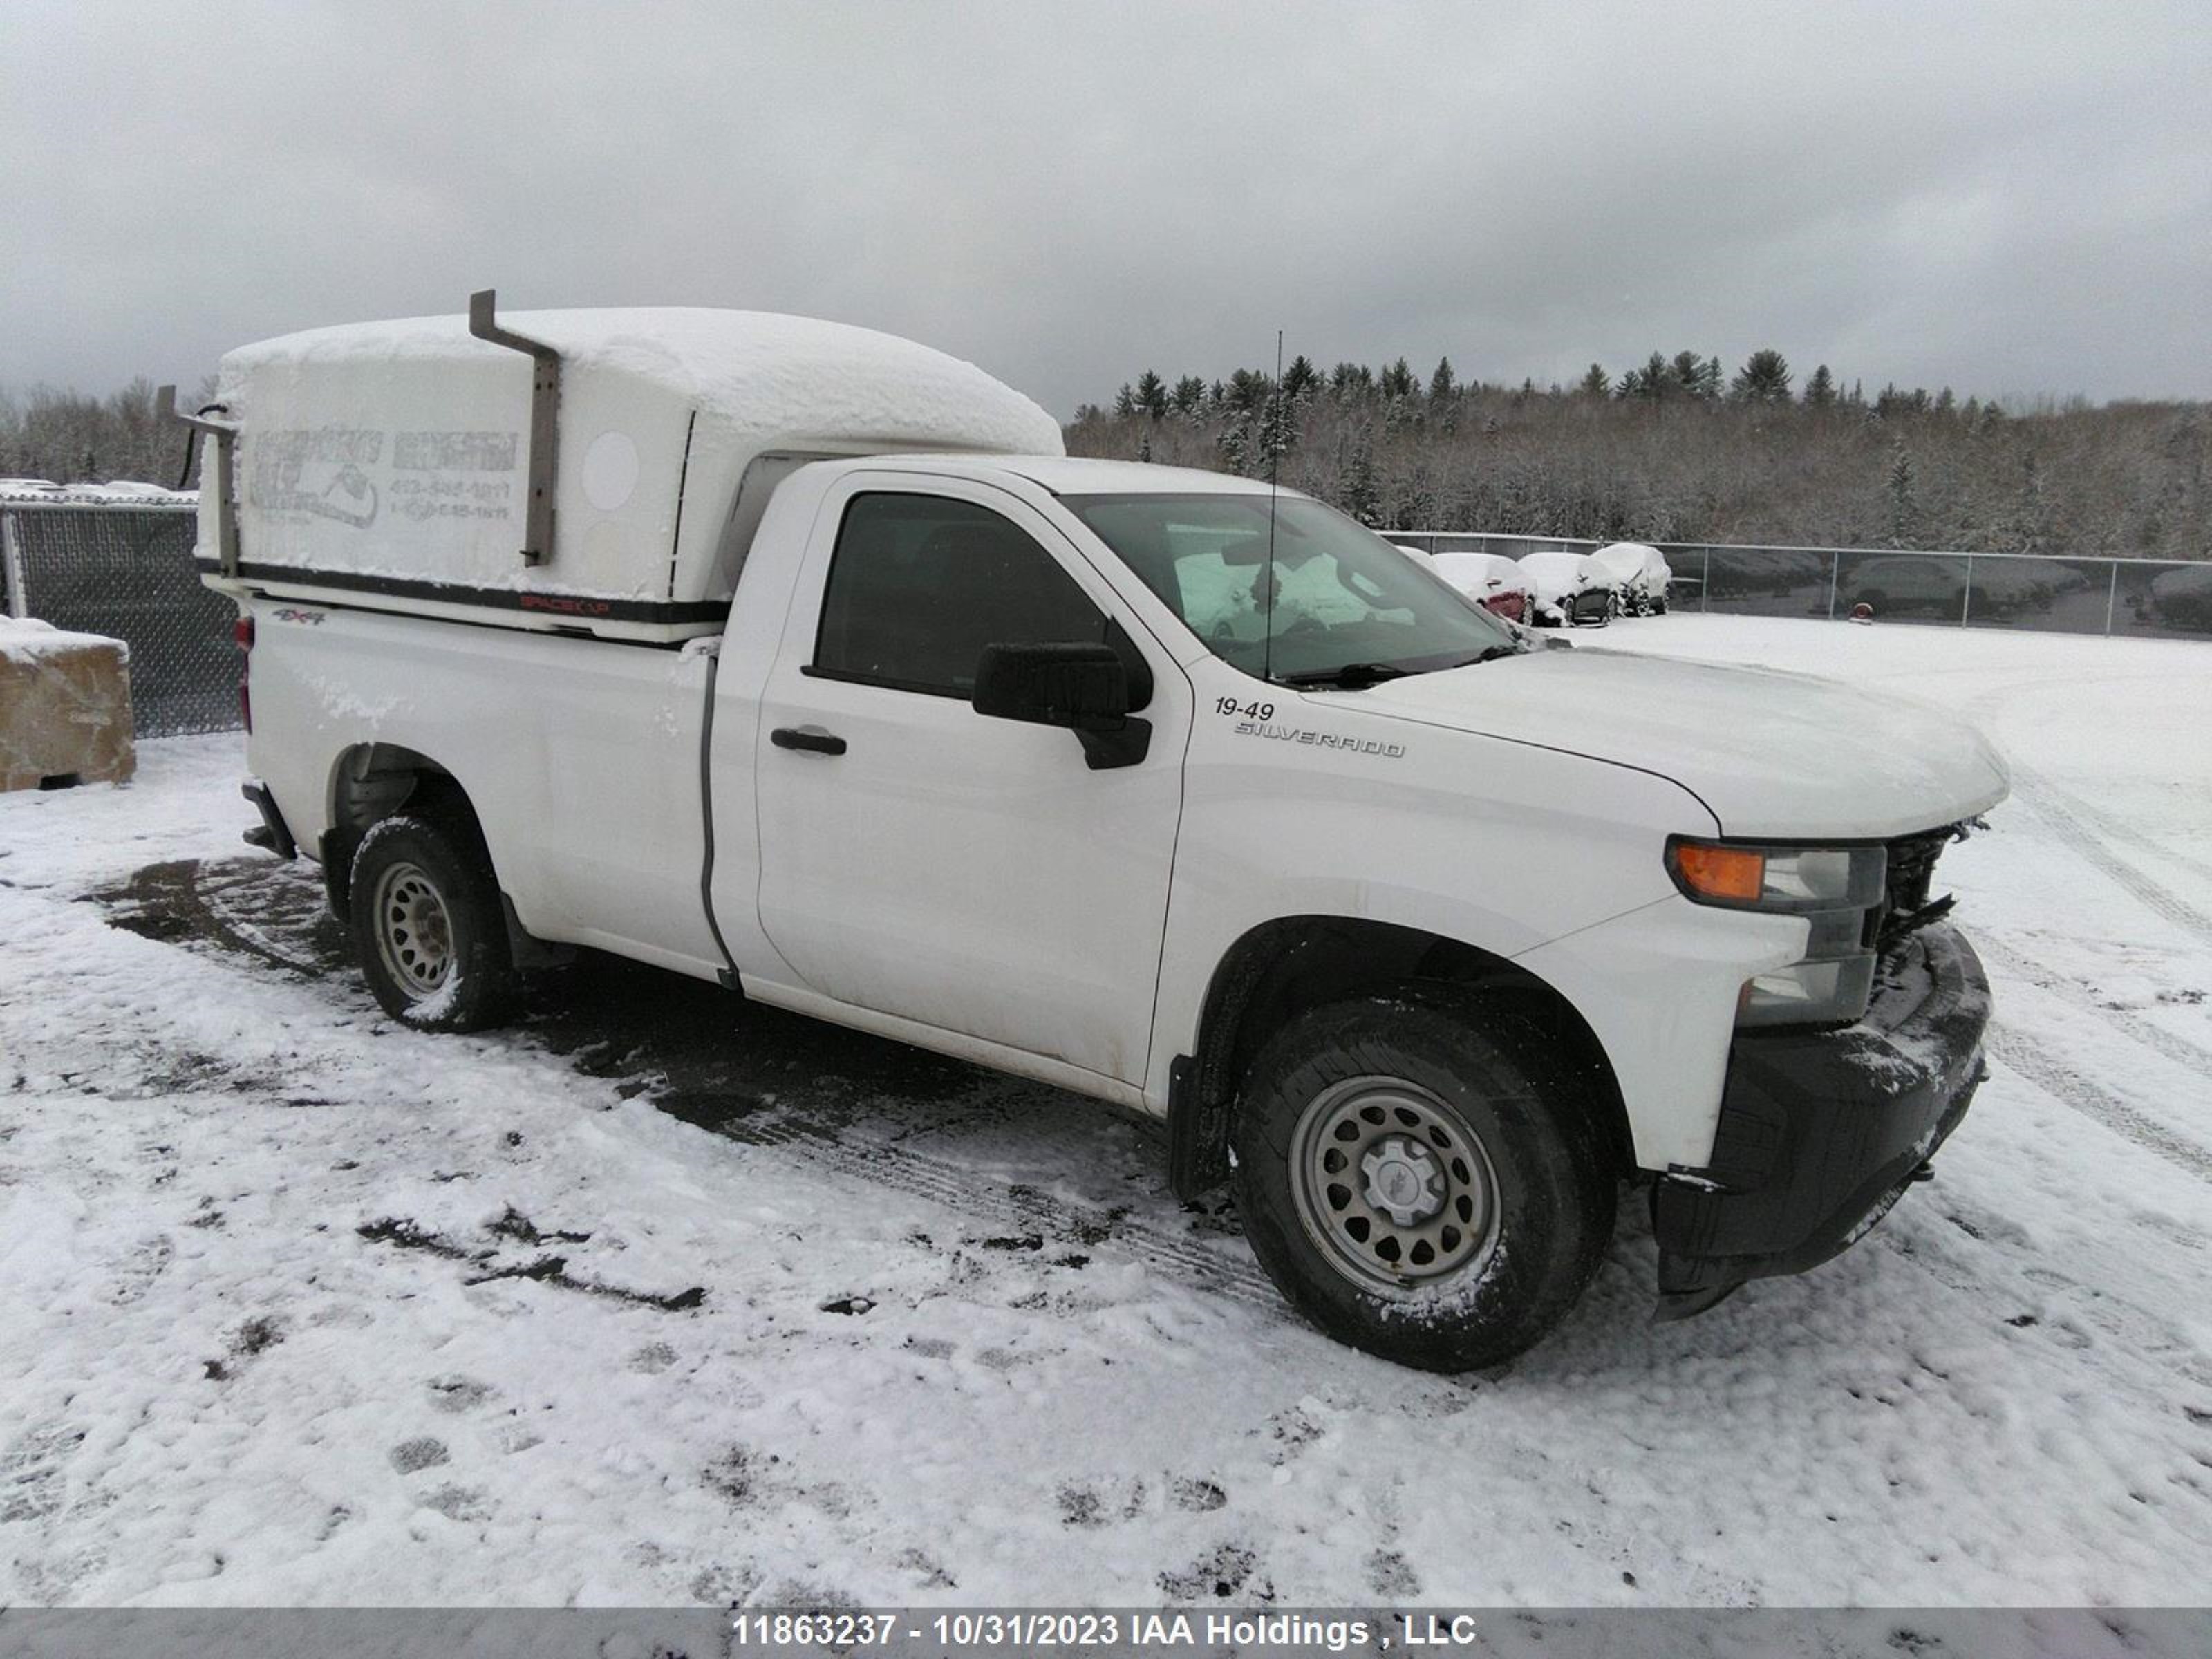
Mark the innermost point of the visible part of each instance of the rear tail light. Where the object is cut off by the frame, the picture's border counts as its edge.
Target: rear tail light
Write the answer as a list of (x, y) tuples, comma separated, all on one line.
[(242, 631)]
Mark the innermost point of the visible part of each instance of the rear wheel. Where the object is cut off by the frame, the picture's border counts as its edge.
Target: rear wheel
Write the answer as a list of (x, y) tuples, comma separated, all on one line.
[(427, 927), (1418, 1180)]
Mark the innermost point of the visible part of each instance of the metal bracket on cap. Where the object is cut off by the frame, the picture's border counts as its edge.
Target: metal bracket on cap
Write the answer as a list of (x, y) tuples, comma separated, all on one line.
[(544, 420), (219, 484)]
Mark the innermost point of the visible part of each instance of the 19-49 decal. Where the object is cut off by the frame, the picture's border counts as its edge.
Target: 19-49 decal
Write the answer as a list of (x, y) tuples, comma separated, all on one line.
[(1257, 720)]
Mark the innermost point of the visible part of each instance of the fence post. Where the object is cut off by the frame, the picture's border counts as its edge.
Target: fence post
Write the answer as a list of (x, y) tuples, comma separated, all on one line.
[(1835, 575), (1706, 585), (2111, 598), (11, 555), (1967, 594)]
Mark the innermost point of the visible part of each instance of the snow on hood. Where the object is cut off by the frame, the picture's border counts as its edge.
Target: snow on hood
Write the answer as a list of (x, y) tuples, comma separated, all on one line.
[(1772, 754)]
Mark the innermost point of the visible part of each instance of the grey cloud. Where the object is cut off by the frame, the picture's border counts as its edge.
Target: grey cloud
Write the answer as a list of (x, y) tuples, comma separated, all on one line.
[(2012, 199)]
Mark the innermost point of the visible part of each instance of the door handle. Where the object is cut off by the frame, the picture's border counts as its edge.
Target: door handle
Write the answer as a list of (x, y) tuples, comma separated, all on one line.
[(812, 738)]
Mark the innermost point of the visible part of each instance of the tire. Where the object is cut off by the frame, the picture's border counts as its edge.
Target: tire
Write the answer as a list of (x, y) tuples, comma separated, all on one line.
[(428, 926), (1478, 1128)]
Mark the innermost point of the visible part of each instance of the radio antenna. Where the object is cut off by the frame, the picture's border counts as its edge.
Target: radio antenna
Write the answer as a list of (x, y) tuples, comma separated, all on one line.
[(1271, 436)]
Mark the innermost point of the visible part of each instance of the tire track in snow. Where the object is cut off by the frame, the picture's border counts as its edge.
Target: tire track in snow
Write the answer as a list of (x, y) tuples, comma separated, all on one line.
[(236, 906), (2091, 847), (2033, 785), (2078, 994), (972, 1193), (2064, 1083)]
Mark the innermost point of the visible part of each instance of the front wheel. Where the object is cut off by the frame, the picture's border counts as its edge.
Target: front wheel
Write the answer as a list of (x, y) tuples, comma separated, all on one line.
[(429, 929), (1419, 1182)]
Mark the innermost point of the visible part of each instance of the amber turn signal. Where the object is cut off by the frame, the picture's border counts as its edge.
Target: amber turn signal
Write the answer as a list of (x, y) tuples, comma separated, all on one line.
[(1735, 874)]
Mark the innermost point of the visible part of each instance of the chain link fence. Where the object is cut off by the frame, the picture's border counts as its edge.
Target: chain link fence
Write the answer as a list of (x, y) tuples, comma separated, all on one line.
[(2023, 591), (124, 568)]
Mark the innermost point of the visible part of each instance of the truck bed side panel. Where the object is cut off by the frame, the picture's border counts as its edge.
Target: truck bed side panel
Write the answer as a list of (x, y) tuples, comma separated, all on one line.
[(581, 758)]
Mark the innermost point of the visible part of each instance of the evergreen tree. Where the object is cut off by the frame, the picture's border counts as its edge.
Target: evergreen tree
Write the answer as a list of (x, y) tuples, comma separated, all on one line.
[(1904, 504), (1689, 372), (1763, 378), (1596, 384), (1125, 401), (1276, 429), (1151, 395), (1363, 496), (1652, 382), (1301, 380), (1443, 388), (1189, 394), (1235, 443), (2031, 515), (1820, 390), (1397, 380)]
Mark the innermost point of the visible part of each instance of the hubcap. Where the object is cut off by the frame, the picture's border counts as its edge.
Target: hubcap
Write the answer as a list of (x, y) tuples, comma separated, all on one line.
[(414, 935), (1392, 1184)]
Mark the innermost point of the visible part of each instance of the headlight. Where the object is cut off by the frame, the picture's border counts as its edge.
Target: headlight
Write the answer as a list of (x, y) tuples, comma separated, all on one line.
[(1833, 888), (1790, 879)]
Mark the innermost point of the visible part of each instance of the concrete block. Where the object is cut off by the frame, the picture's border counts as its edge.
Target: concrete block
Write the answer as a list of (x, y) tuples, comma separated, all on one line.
[(64, 708)]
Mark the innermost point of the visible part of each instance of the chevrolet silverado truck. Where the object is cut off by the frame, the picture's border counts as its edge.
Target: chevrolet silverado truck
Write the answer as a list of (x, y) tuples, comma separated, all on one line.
[(801, 659)]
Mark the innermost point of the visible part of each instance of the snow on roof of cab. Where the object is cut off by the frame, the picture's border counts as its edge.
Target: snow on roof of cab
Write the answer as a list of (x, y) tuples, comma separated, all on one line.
[(762, 373)]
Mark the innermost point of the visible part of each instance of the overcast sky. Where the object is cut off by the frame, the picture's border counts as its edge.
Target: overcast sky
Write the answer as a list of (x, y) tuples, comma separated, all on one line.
[(2013, 199)]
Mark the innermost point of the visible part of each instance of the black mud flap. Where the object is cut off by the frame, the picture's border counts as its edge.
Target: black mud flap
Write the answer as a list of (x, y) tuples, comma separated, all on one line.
[(270, 834)]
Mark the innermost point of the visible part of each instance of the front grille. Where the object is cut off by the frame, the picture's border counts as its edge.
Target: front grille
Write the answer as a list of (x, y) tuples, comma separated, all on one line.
[(1905, 906)]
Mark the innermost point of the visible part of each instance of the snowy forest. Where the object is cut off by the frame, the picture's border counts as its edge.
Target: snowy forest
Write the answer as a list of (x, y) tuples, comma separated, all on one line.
[(1676, 449), (70, 437)]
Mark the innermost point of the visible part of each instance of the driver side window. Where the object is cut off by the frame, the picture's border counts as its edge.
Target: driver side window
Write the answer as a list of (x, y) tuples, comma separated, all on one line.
[(919, 585)]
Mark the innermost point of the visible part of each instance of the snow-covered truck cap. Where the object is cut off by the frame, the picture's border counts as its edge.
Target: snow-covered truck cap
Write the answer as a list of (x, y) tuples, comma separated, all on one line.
[(387, 462)]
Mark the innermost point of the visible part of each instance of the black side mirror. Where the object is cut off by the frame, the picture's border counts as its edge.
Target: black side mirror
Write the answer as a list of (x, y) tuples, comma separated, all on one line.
[(1083, 687)]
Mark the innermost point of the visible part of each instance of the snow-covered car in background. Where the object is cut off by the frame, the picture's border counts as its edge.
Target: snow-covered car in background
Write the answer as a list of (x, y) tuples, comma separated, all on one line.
[(1639, 576), (1568, 589), (1902, 585), (2183, 596), (1496, 583)]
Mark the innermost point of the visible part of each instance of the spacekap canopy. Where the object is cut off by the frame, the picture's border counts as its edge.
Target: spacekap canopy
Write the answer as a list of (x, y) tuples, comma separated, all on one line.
[(387, 462)]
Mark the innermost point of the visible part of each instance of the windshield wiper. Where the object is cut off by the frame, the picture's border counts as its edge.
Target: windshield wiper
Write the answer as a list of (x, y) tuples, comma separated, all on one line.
[(1352, 676)]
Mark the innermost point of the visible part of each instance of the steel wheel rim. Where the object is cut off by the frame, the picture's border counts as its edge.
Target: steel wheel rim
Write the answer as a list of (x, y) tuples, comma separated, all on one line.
[(414, 934), (1393, 1186)]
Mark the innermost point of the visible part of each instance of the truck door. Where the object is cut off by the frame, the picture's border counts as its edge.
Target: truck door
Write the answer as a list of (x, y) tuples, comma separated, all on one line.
[(920, 859)]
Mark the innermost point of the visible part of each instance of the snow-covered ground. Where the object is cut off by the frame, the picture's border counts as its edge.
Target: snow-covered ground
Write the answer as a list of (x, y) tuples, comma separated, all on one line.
[(662, 1298)]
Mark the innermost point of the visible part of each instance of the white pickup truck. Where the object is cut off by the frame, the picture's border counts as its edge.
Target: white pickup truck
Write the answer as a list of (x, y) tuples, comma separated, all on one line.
[(801, 659)]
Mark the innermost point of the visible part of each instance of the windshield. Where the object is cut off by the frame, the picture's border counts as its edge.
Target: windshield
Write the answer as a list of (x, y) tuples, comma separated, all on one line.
[(1337, 604)]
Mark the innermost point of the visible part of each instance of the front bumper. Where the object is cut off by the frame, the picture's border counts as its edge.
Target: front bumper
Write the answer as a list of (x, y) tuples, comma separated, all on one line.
[(1821, 1132)]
